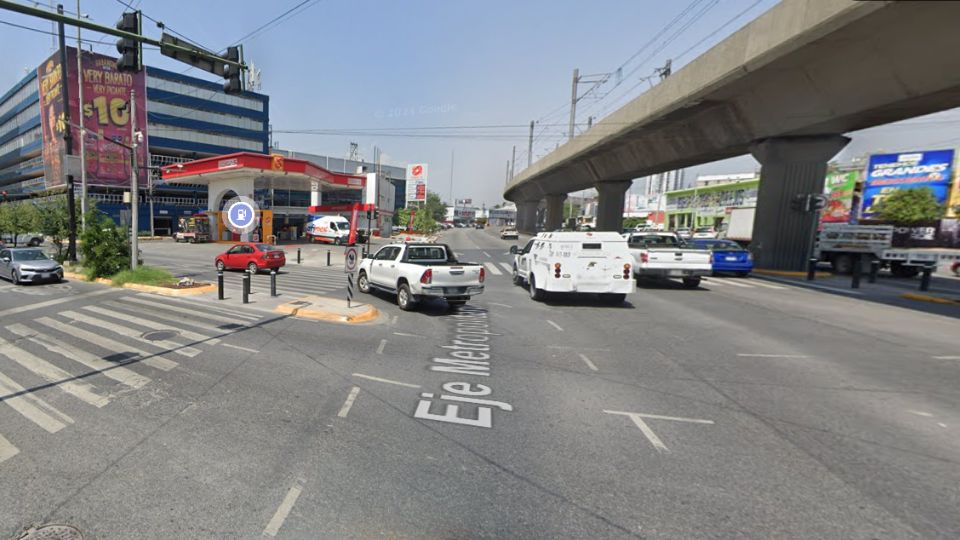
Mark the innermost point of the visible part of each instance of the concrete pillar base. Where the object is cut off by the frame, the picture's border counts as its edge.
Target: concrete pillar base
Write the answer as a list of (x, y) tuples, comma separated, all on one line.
[(791, 166), (554, 218), (527, 216), (610, 204)]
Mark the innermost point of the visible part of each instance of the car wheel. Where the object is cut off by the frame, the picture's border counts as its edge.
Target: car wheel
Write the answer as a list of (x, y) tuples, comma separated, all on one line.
[(517, 280), (15, 277), (252, 268), (691, 282), (743, 274), (536, 294), (337, 241), (842, 264), (34, 242), (220, 266), (363, 284), (613, 299), (404, 299)]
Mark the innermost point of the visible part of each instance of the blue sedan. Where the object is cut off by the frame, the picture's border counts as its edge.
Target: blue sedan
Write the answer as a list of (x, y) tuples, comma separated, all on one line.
[(728, 256)]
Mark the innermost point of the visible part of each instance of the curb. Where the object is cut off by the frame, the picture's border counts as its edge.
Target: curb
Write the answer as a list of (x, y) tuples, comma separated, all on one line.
[(788, 273), (930, 298), (163, 291), (289, 308)]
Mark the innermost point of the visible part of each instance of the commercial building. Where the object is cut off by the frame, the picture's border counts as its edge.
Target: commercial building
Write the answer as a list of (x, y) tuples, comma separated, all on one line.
[(707, 204)]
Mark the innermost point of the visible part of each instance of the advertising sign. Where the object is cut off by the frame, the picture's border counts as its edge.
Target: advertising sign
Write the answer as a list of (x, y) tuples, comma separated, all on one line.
[(839, 188), (889, 173), (106, 118), (416, 182)]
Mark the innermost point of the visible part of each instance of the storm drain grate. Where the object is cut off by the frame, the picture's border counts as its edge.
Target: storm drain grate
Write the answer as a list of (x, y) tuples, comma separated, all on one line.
[(52, 532), (160, 335)]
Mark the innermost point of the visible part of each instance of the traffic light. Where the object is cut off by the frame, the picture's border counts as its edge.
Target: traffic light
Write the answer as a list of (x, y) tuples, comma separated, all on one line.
[(233, 74), (799, 203), (129, 49)]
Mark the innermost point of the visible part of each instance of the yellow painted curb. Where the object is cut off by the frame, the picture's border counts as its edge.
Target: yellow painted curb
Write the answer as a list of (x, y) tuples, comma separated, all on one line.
[(74, 275), (788, 273), (320, 315), (928, 298), (166, 291)]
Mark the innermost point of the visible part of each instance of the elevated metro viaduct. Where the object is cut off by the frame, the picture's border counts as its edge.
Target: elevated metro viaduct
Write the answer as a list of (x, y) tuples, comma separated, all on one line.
[(785, 88)]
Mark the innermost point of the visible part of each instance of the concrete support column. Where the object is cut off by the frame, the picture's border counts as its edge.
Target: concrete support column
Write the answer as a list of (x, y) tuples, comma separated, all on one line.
[(610, 204), (554, 219), (791, 166), (527, 216)]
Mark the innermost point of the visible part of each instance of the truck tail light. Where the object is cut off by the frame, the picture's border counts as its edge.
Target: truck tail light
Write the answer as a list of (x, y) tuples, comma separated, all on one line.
[(644, 258), (626, 271), (483, 274), (427, 277), (556, 270)]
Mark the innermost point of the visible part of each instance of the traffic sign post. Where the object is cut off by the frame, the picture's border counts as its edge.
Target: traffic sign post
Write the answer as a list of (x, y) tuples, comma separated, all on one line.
[(349, 267)]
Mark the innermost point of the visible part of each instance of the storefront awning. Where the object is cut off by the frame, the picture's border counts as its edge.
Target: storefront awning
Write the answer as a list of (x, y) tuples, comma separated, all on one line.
[(267, 171)]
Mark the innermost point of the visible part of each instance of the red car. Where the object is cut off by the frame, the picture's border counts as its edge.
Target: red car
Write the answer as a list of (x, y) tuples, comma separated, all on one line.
[(251, 257)]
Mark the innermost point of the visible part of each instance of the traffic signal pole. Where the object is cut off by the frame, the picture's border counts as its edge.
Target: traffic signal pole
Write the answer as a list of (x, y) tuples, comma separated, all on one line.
[(67, 140), (134, 184)]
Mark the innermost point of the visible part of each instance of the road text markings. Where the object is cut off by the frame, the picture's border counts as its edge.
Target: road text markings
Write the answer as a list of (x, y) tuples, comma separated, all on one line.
[(648, 433), (388, 381), (7, 450), (493, 268), (349, 402), (587, 361), (383, 343), (758, 355), (555, 325), (273, 527)]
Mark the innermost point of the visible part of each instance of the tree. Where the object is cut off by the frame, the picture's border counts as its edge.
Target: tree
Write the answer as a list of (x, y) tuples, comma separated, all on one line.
[(909, 206), (435, 206), (105, 248), (18, 218)]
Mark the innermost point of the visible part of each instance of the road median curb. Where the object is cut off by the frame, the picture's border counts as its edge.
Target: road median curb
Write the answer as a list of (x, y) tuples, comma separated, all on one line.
[(930, 298), (322, 308), (788, 273), (163, 291)]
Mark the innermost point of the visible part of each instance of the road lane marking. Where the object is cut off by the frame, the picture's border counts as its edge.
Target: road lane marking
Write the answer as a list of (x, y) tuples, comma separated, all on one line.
[(758, 283), (565, 347), (171, 346), (758, 355), (273, 527), (486, 254), (648, 433), (383, 343), (239, 347), (52, 374), (499, 304), (921, 413), (731, 282), (587, 361), (31, 407), (54, 302), (151, 324), (193, 304), (394, 320), (493, 268), (7, 449), (941, 424), (113, 346), (406, 335), (946, 357), (555, 325), (108, 369), (713, 282), (349, 402), (388, 381), (179, 314), (508, 267)]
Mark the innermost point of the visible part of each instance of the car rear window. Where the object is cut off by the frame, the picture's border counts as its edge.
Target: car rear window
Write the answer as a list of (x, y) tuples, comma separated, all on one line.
[(427, 253), (266, 247)]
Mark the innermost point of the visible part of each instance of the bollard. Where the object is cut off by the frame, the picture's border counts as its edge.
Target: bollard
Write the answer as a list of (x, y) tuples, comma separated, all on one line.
[(273, 282), (328, 257), (874, 270), (298, 255), (857, 270), (811, 268), (925, 277), (246, 287), (219, 284)]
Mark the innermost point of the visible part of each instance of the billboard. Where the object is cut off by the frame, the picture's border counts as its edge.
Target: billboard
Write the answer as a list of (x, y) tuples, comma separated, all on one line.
[(416, 182), (889, 173), (106, 118), (839, 188)]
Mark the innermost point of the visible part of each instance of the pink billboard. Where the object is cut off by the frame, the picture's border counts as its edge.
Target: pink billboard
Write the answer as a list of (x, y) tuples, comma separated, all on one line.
[(106, 118)]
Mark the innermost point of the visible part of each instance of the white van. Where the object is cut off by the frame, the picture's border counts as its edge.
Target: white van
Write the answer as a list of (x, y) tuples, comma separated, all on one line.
[(333, 229), (575, 262)]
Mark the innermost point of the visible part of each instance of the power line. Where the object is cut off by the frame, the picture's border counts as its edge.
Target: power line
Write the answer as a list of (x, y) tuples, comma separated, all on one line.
[(277, 19), (719, 29), (159, 24)]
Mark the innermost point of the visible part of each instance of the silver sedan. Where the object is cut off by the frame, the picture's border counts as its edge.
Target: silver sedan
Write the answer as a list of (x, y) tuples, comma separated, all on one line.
[(28, 265)]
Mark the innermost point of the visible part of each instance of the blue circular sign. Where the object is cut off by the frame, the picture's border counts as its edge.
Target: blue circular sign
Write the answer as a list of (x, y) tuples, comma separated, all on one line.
[(241, 214)]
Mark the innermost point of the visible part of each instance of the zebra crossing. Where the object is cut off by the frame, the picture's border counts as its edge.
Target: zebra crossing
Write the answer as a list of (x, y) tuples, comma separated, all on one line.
[(292, 281), (56, 367)]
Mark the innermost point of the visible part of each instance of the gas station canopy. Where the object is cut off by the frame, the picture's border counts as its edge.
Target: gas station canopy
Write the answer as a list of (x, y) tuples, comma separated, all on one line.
[(267, 172)]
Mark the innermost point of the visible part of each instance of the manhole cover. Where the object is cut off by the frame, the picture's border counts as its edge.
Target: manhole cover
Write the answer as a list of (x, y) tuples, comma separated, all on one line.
[(160, 335), (53, 532)]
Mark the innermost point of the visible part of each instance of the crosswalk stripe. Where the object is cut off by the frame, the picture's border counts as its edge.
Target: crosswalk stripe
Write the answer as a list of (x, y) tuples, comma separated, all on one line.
[(190, 304), (732, 282), (217, 330), (713, 282), (108, 369), (150, 359), (151, 324), (179, 313), (189, 352), (493, 268), (31, 407), (508, 267), (758, 283), (52, 374), (7, 450)]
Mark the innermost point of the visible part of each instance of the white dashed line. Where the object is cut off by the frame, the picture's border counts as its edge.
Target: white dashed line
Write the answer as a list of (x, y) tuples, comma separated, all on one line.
[(406, 335), (486, 254), (946, 357), (587, 361), (501, 305), (555, 325), (349, 402), (921, 413), (383, 343), (388, 381), (273, 527), (239, 347), (758, 283), (752, 355)]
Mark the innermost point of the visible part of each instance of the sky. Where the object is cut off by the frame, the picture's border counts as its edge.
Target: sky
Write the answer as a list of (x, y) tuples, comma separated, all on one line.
[(447, 82)]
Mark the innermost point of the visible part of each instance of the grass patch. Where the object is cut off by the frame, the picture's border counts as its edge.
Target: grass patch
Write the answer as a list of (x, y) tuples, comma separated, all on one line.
[(145, 275)]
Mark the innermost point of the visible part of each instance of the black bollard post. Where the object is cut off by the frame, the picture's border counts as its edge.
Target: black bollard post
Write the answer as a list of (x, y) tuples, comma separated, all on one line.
[(811, 268), (925, 277), (874, 270), (857, 270), (219, 284), (298, 255), (246, 287), (273, 282), (328, 257)]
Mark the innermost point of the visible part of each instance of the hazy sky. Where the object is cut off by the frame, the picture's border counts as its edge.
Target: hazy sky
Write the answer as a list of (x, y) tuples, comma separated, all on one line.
[(387, 73)]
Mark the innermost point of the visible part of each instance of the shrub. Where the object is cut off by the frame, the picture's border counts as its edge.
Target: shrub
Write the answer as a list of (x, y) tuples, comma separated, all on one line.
[(144, 275), (105, 248)]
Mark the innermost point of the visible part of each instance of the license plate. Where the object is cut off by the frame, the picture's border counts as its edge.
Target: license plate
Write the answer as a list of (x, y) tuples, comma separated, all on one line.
[(44, 276), (731, 258), (679, 272), (455, 290)]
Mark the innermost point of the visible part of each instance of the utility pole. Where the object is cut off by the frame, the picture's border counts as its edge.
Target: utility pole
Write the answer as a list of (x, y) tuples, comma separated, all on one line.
[(513, 161), (573, 101), (83, 131), (134, 181), (530, 147), (452, 200), (506, 179), (67, 140)]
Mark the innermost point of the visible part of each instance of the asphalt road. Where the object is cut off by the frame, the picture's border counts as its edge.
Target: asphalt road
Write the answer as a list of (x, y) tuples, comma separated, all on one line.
[(746, 408)]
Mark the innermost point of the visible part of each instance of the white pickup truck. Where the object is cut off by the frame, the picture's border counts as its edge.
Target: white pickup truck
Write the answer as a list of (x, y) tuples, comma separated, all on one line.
[(663, 255), (420, 270)]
